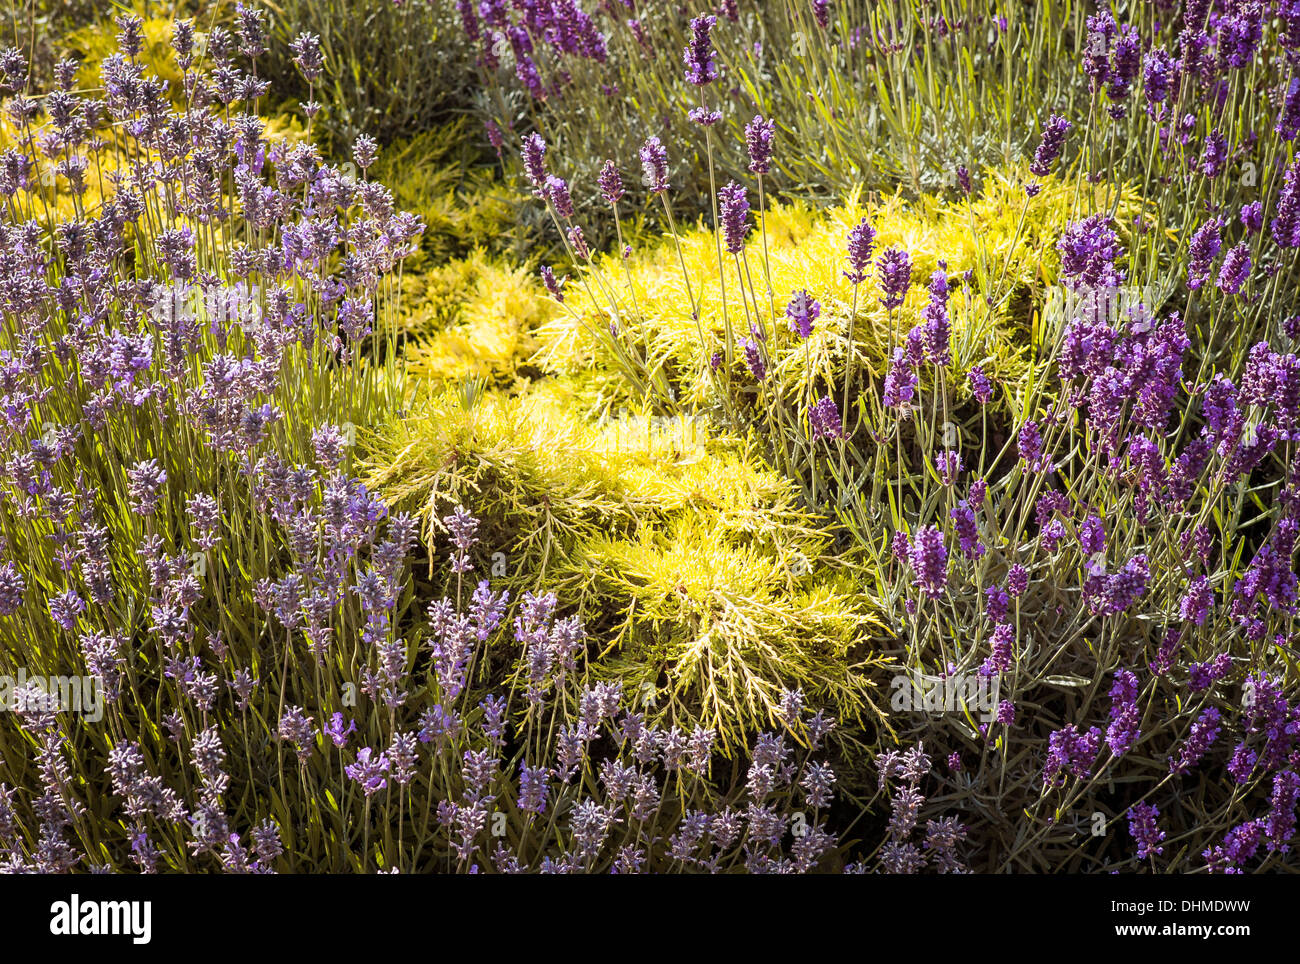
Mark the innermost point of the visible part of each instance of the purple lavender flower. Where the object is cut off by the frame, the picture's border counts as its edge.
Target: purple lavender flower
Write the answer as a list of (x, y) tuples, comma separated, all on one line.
[(1235, 271), (862, 238), (462, 527), (704, 116), (1070, 752), (1203, 733), (1201, 676), (1214, 154), (824, 417), (754, 358), (895, 276), (533, 788), (1029, 443), (929, 560), (1164, 661), (915, 346), (146, 480), (369, 770), (336, 731), (1285, 225), (758, 142), (995, 607), (801, 311), (734, 216), (1114, 593), (1092, 535), (1125, 717), (1001, 658), (1203, 249), (365, 150), (1288, 119), (967, 530), (1088, 251), (553, 285), (934, 317), (1096, 58), (307, 56), (1049, 149), (698, 56), (1280, 824), (901, 546), (1158, 70), (1240, 845), (1125, 63), (437, 725), (177, 250), (654, 164), (611, 185), (12, 588), (947, 464), (298, 729), (900, 381), (1252, 216), (1144, 830), (1242, 763), (979, 385), (66, 607), (329, 443), (534, 156), (578, 243), (1017, 580), (557, 190), (818, 783), (1240, 34), (792, 704), (1196, 603)]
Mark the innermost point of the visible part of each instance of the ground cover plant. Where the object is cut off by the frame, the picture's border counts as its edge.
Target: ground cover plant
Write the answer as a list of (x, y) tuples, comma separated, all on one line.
[(610, 437)]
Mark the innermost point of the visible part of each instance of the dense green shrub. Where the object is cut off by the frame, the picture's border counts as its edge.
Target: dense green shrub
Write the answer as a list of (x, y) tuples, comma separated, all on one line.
[(391, 70)]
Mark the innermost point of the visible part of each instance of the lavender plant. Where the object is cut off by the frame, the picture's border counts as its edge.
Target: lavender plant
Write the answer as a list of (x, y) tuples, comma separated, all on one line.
[(188, 361), (191, 315), (390, 70), (1085, 574), (1130, 534)]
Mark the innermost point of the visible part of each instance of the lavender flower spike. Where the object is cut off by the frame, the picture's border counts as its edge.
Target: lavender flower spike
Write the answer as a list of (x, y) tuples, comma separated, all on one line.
[(1050, 148), (758, 142), (700, 68), (734, 216), (654, 164)]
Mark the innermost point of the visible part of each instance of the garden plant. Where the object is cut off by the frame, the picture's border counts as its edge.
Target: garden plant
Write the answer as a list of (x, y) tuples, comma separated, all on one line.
[(564, 436)]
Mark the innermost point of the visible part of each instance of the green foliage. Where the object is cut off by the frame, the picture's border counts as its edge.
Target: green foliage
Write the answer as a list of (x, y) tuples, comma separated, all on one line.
[(441, 175), (95, 42), (711, 624), (39, 28), (392, 70), (875, 97), (709, 586), (998, 248), (473, 317)]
